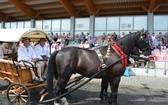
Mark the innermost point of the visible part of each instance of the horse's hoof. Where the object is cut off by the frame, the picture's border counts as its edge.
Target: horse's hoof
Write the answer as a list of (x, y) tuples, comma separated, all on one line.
[(55, 103), (64, 101)]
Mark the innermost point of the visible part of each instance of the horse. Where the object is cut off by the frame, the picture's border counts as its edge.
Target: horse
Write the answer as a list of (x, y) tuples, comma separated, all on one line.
[(135, 55), (62, 64)]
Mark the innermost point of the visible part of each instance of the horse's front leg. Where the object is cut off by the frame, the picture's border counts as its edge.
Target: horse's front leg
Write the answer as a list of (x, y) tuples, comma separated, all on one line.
[(114, 83), (104, 88)]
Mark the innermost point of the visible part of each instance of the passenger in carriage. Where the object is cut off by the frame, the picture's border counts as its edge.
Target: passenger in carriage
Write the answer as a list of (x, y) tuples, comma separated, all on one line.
[(43, 53), (27, 53), (8, 50), (42, 50), (1, 53)]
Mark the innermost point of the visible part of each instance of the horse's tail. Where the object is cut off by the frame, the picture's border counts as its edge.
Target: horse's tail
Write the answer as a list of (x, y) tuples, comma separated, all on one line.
[(51, 72)]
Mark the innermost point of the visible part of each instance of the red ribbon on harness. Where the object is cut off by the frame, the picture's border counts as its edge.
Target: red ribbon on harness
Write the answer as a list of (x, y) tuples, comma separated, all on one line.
[(120, 53)]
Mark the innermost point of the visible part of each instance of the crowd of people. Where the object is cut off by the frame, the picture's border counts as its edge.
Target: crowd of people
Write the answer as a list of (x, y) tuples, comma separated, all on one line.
[(85, 40), (159, 41), (82, 40)]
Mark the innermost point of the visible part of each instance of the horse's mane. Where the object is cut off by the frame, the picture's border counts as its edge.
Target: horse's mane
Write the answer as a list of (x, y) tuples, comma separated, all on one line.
[(128, 35), (97, 47), (128, 41)]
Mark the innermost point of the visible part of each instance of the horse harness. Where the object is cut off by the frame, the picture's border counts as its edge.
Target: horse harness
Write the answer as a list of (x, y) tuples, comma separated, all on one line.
[(119, 52)]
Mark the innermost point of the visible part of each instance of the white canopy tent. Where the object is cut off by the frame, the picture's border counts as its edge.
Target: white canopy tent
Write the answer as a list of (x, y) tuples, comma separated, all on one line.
[(15, 35)]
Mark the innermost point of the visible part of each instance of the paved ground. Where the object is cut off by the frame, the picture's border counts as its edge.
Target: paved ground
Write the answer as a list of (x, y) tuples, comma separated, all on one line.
[(143, 81), (134, 90)]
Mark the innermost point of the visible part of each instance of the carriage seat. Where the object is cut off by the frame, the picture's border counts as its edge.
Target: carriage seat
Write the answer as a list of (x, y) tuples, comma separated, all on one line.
[(14, 63), (14, 71)]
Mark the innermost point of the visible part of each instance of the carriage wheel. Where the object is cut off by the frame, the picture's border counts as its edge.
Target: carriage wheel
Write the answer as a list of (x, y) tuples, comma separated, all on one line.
[(18, 94)]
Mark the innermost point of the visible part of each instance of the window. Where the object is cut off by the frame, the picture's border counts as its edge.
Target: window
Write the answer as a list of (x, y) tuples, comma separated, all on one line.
[(13, 24), (82, 24), (47, 25), (38, 24), (56, 25), (7, 25), (160, 22), (140, 22), (112, 23), (65, 25), (20, 25), (126, 23), (27, 24), (100, 23)]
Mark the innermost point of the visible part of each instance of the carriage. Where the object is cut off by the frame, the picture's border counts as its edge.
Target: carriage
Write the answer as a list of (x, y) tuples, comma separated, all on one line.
[(17, 74)]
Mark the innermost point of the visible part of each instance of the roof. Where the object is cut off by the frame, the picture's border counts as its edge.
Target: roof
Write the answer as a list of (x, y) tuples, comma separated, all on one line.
[(18, 10)]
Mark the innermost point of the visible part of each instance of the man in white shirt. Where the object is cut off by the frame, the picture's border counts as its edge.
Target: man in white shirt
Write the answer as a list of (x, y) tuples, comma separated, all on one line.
[(42, 50), (43, 53), (27, 53)]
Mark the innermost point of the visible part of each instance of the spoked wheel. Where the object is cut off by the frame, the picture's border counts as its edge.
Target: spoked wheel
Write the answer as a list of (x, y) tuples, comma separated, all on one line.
[(18, 94)]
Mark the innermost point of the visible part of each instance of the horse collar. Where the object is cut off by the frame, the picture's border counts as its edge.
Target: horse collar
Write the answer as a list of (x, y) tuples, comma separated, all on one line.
[(120, 53)]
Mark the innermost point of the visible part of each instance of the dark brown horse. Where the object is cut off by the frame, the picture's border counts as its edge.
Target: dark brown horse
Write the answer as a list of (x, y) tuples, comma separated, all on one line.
[(86, 62)]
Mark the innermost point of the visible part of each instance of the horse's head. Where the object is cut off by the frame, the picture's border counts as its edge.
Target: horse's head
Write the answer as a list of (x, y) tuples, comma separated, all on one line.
[(143, 43)]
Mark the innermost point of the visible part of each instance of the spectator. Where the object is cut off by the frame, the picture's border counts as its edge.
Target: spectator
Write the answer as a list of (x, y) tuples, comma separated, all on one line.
[(66, 41), (156, 42), (86, 44), (166, 40), (93, 42), (58, 46), (114, 36)]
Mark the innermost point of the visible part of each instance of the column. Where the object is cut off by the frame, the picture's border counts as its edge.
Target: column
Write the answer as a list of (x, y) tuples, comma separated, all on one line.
[(150, 23), (92, 25), (2, 24), (72, 27), (32, 23)]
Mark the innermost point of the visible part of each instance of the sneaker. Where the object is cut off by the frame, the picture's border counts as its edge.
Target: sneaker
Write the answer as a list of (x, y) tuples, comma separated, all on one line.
[(35, 79), (40, 79)]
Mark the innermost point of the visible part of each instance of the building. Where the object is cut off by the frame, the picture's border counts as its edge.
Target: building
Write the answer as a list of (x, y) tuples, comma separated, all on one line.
[(93, 16)]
